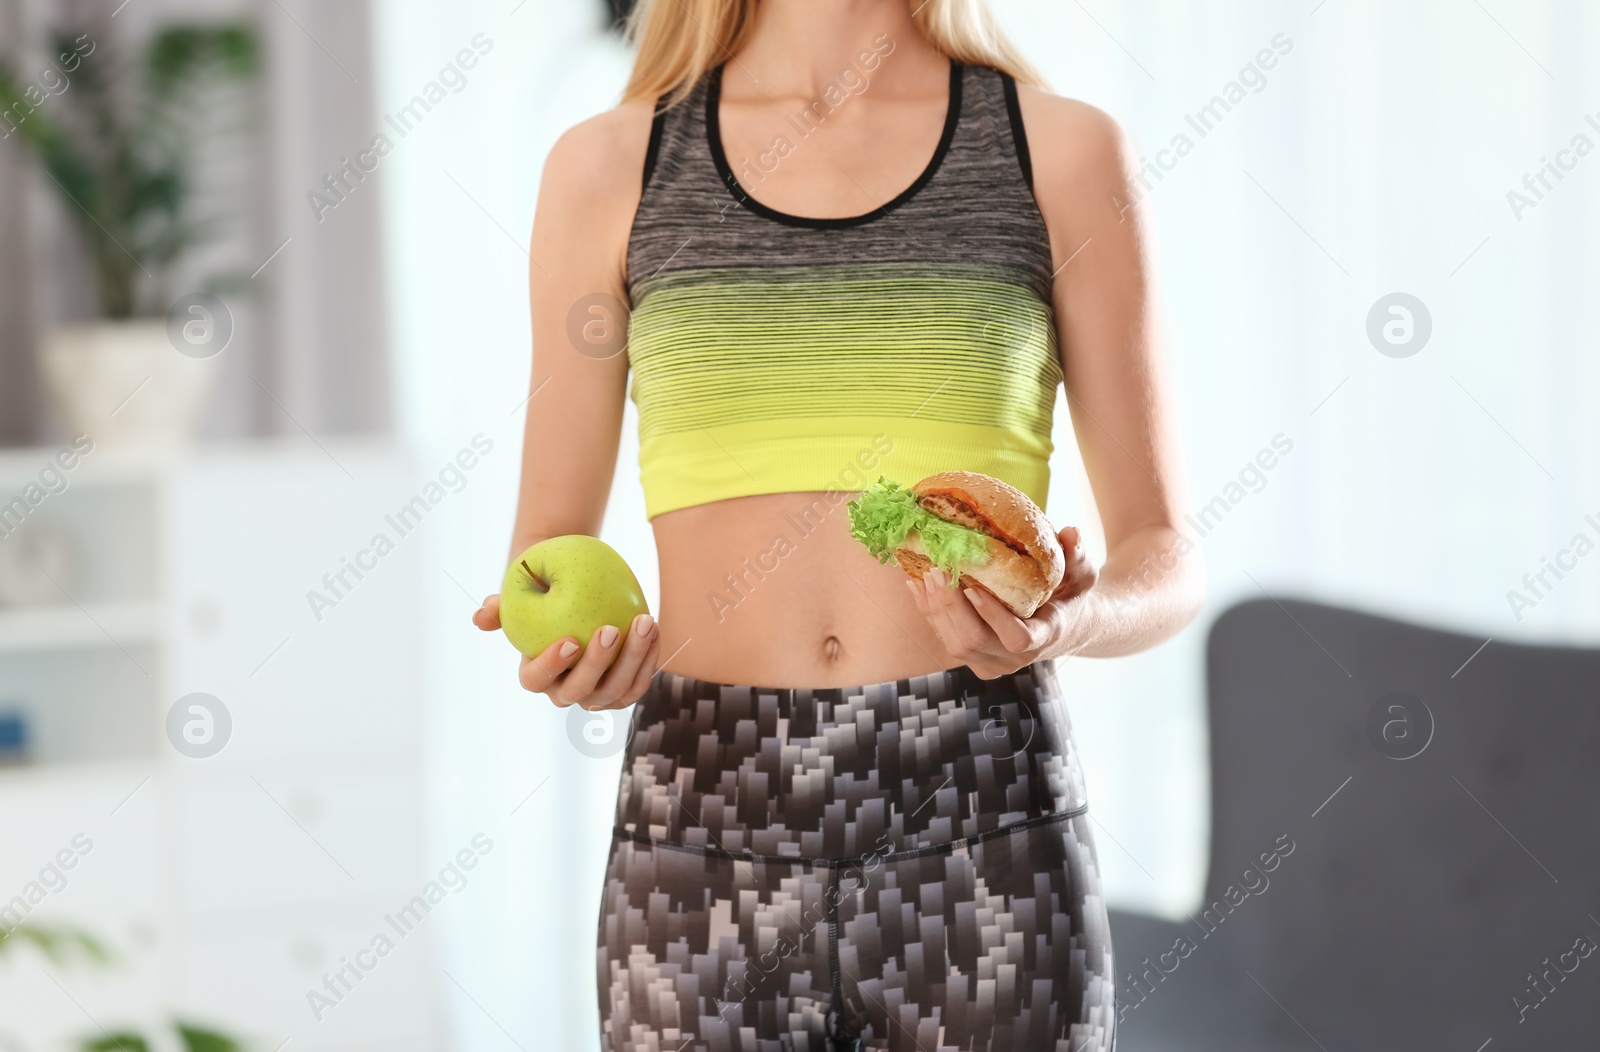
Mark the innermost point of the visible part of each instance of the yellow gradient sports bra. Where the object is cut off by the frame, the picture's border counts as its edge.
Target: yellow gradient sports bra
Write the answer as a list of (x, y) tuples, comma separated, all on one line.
[(773, 353)]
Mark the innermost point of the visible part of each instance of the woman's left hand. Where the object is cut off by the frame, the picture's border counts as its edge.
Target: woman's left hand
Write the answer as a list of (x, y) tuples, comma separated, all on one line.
[(977, 630)]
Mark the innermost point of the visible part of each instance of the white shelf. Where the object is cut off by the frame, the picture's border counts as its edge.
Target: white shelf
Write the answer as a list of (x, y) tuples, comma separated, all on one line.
[(78, 776), (67, 626), (226, 867), (20, 466)]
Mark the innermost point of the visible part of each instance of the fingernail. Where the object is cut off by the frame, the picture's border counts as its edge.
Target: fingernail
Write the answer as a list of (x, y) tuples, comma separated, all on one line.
[(568, 649), (642, 623), (608, 635), (970, 593)]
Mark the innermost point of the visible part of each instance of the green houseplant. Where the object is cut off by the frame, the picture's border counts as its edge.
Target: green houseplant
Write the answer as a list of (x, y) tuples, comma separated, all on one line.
[(119, 144), (67, 945)]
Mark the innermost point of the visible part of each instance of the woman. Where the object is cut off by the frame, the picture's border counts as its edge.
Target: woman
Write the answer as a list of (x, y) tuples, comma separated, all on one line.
[(857, 239)]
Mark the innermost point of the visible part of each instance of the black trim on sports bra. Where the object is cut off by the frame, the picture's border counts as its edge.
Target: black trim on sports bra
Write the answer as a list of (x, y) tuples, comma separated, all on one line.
[(952, 117), (658, 125), (1019, 134)]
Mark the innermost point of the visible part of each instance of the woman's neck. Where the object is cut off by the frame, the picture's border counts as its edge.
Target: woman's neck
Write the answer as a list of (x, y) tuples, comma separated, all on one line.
[(798, 47)]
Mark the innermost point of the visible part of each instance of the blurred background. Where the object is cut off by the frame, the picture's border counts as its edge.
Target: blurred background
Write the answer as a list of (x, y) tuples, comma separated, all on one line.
[(263, 280)]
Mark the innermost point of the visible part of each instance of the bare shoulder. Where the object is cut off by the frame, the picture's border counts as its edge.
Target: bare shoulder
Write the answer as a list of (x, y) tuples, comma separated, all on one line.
[(593, 178), (1083, 179), (1082, 160), (601, 160), (1071, 134)]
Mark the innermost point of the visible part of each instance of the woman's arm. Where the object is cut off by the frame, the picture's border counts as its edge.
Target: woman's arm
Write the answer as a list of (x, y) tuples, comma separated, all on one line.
[(587, 198), (577, 291), (1151, 582), (1116, 379)]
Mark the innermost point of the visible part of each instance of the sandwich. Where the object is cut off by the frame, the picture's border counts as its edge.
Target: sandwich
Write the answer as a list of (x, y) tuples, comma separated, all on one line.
[(975, 528)]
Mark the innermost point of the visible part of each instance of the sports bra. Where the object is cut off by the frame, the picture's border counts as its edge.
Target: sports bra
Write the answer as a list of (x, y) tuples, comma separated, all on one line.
[(775, 353)]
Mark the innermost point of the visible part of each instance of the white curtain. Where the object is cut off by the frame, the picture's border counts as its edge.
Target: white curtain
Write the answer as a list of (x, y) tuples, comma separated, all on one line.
[(459, 192), (1374, 157)]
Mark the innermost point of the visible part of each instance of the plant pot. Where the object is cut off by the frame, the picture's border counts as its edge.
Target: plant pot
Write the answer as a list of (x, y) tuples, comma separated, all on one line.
[(123, 383)]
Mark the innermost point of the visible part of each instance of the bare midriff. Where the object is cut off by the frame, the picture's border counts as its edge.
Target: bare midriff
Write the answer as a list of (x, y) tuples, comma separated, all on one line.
[(772, 590)]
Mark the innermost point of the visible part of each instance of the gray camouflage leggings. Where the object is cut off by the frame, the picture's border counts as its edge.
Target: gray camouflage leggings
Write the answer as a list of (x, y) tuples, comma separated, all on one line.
[(900, 866)]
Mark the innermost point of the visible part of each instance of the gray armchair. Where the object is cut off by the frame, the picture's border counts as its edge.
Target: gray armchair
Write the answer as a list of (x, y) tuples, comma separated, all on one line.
[(1405, 847)]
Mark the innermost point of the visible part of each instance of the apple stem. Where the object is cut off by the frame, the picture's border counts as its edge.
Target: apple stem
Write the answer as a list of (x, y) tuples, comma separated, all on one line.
[(539, 582)]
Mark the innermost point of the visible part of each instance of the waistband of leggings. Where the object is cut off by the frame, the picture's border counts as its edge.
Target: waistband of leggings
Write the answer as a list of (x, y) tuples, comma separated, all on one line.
[(942, 848), (835, 772), (958, 679)]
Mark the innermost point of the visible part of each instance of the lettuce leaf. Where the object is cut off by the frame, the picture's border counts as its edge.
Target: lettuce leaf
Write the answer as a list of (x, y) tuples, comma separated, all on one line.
[(886, 513)]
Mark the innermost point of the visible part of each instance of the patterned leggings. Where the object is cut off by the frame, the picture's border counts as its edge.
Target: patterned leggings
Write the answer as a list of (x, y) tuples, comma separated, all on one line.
[(903, 866)]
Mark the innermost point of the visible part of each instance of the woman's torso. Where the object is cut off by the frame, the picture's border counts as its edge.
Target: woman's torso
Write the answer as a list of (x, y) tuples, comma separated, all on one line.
[(914, 335), (822, 613)]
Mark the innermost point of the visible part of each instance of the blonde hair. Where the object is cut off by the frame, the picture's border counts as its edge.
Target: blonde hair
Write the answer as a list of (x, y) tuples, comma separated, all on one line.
[(679, 40)]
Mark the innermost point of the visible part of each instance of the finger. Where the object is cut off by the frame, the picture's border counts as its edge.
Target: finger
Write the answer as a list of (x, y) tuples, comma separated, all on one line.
[(915, 587), (592, 664), (616, 680), (1083, 577), (961, 624), (928, 602), (487, 616), (1081, 573), (922, 589), (647, 670), (985, 671), (1082, 550), (540, 673), (974, 632), (1015, 634), (641, 678)]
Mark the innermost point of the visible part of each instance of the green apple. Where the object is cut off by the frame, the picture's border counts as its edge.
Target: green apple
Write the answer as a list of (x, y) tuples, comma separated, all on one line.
[(567, 586)]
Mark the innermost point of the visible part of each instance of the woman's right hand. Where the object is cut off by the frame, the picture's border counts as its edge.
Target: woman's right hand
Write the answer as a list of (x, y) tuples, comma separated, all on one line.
[(588, 683)]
